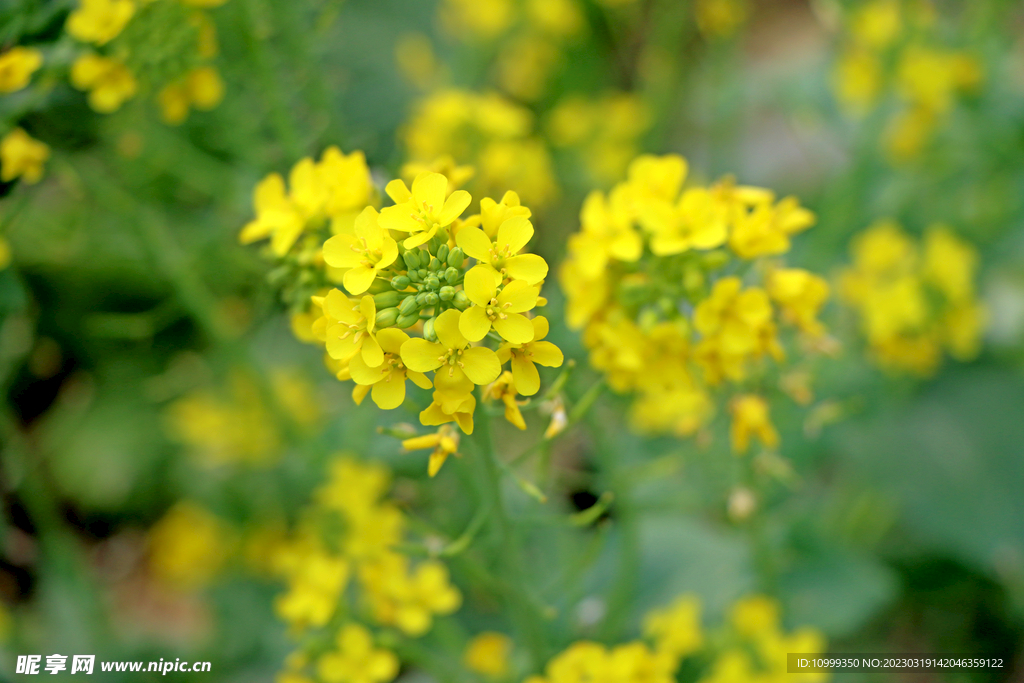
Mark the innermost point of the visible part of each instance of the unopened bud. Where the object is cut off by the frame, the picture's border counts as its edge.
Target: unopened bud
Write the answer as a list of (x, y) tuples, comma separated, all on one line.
[(412, 259), (387, 317), (442, 253), (386, 299), (406, 321), (460, 300), (451, 275), (409, 306), (432, 282), (428, 330), (434, 264), (401, 282), (456, 257), (447, 293), (431, 299)]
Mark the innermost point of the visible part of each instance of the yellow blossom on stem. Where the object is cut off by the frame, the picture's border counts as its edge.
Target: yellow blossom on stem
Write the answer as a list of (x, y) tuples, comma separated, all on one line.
[(356, 659), (676, 629), (201, 88), (488, 654), (108, 81), (422, 211), (451, 356), (408, 598), (388, 378), (503, 389), (501, 310), (750, 418), (524, 357), (22, 156), (443, 443), (801, 295), (350, 328), (502, 255), (100, 21), (17, 66), (370, 250)]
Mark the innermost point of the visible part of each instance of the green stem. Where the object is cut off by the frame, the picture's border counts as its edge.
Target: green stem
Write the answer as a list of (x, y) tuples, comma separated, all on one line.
[(507, 552)]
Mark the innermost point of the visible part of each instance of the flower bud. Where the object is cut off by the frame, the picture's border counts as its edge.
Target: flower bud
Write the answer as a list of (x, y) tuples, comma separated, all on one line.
[(414, 276), (434, 264), (451, 275), (386, 299), (432, 282), (693, 282), (387, 317), (442, 253), (406, 321), (431, 299), (412, 259), (456, 257), (447, 293), (409, 306), (378, 285), (460, 300), (401, 282), (713, 260), (428, 330)]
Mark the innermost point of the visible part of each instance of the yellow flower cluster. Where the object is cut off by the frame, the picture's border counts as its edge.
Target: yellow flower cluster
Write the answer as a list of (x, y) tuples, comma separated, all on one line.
[(435, 299), (660, 278), (342, 568), (751, 647), (891, 48), (22, 156), (235, 424), (604, 131), (530, 36), (163, 47), (321, 198), (485, 131), (914, 300), (17, 66), (188, 546)]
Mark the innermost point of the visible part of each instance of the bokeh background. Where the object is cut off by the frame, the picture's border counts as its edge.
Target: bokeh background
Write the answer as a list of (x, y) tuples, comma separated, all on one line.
[(139, 340)]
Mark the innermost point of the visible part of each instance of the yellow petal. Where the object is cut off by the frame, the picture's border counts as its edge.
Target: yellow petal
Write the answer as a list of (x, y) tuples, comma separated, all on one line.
[(474, 324), (479, 285), (529, 268), (480, 365), (446, 326), (515, 233), (540, 327), (475, 243), (517, 297), (390, 393), (454, 206), (398, 191), (372, 353), (546, 353), (428, 192), (421, 355), (358, 279), (391, 340), (515, 328), (363, 373), (525, 375)]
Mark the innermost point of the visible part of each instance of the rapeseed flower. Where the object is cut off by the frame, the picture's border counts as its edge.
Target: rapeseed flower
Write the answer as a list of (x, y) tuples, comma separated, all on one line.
[(17, 66), (22, 156)]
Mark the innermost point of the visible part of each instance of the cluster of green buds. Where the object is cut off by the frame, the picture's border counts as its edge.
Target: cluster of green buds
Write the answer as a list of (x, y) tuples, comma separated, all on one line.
[(428, 286)]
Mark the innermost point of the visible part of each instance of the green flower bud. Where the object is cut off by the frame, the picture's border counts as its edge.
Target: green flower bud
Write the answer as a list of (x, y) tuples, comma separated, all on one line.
[(386, 299), (409, 306), (447, 293), (431, 299), (414, 276), (406, 321), (423, 273), (460, 300), (401, 282), (421, 298), (693, 282), (442, 254), (432, 282), (456, 257), (451, 275), (428, 331), (434, 264), (412, 259), (378, 286), (387, 317)]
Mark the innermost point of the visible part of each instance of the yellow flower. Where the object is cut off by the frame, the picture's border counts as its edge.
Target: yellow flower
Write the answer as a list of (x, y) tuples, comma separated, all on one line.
[(365, 254), (408, 598), (736, 324), (488, 654), (276, 216), (201, 88), (504, 390), (316, 583), (17, 66), (477, 364), (503, 310), (800, 294), (697, 221), (100, 21), (480, 19), (858, 80), (108, 81), (350, 328), (356, 660), (424, 210), (388, 378), (949, 264), (877, 24), (755, 616), (766, 230), (721, 18), (524, 356), (444, 442), (188, 546), (676, 629), (750, 418), (502, 256), (22, 156)]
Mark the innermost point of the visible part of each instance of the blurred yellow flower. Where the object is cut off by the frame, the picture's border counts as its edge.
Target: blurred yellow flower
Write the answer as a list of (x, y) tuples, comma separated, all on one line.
[(22, 156), (108, 81), (100, 21), (188, 546), (750, 418), (488, 654), (356, 660), (17, 66)]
